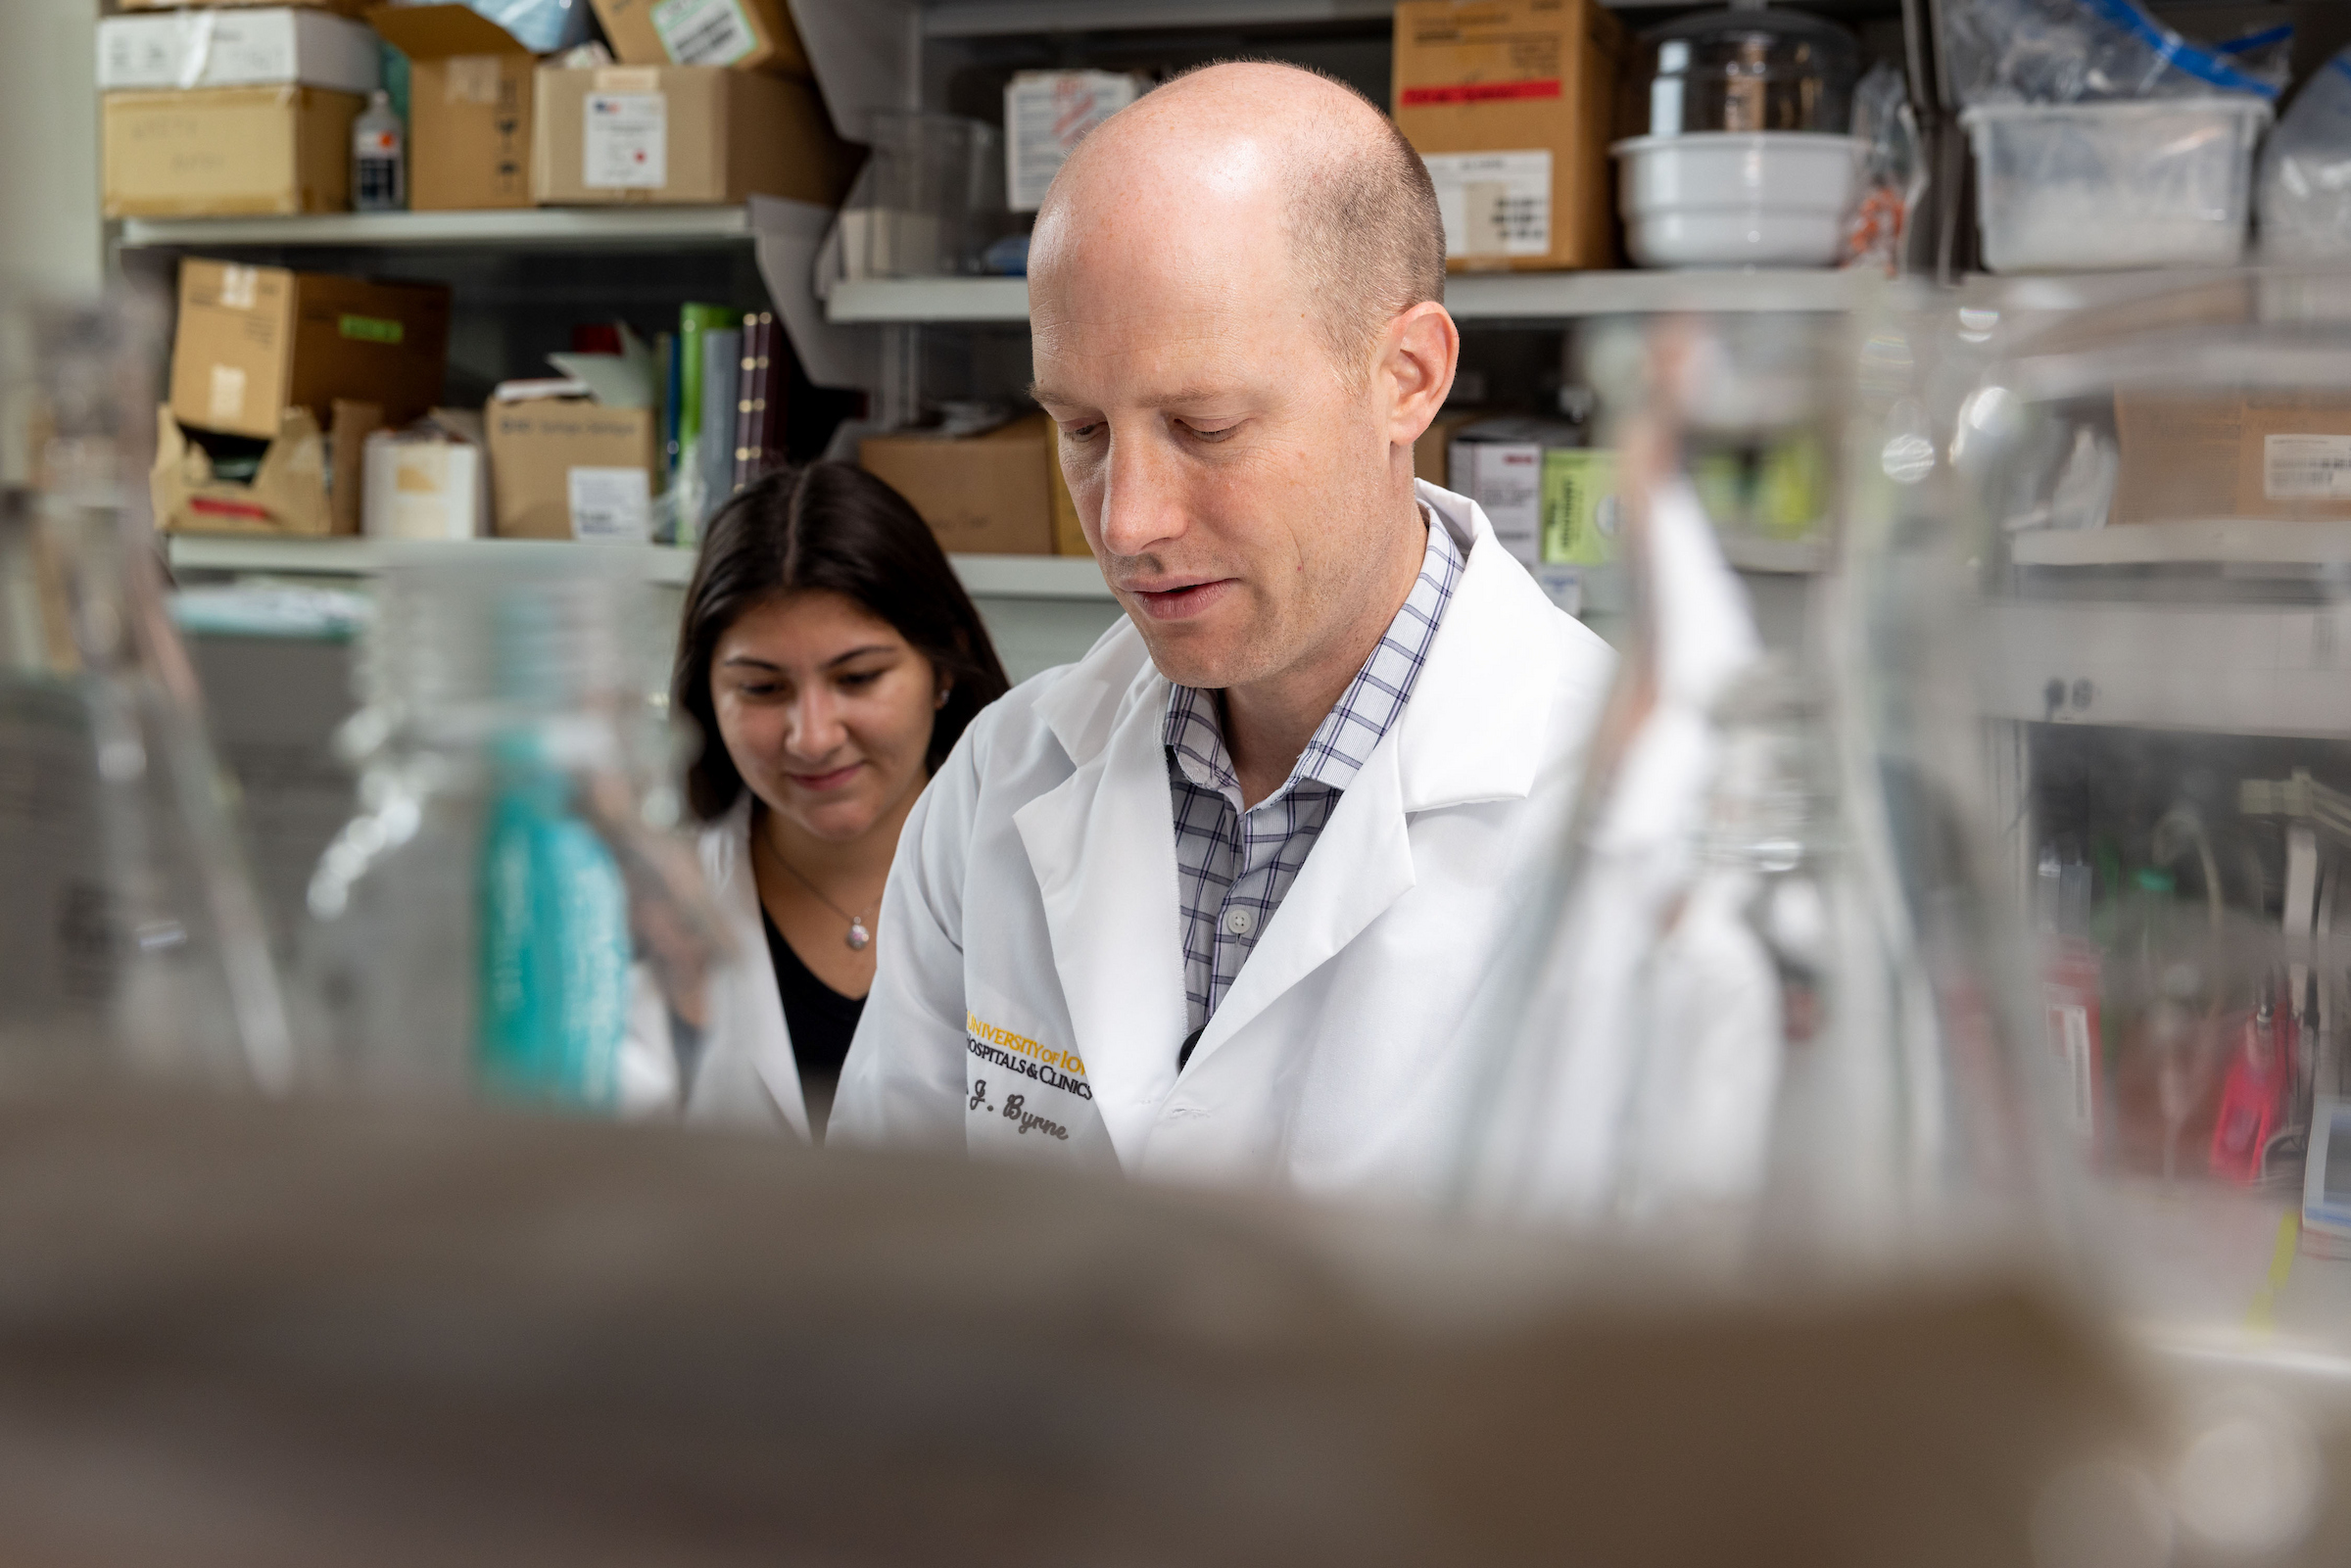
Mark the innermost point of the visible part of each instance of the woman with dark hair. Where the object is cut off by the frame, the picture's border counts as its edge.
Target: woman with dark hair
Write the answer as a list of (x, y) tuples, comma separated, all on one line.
[(831, 660)]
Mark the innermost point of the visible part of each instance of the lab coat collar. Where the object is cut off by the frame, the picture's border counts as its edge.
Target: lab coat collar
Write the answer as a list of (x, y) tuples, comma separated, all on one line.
[(1474, 727)]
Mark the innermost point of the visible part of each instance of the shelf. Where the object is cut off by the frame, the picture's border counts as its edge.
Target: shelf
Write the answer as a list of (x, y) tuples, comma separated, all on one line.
[(989, 18), (1050, 577), (524, 226), (2239, 669), (2227, 541), (1486, 296)]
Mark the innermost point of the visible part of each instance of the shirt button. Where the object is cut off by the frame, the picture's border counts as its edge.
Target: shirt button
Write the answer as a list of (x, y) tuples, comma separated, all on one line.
[(1238, 920)]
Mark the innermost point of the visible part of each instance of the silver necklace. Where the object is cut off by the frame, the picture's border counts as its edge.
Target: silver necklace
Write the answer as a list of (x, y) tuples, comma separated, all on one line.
[(858, 935)]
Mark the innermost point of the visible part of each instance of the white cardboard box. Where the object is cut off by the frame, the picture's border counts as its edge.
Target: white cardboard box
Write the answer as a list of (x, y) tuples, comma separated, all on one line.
[(1505, 478), (240, 48)]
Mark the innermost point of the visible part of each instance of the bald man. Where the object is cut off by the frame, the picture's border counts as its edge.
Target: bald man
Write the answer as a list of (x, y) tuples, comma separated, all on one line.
[(1213, 901)]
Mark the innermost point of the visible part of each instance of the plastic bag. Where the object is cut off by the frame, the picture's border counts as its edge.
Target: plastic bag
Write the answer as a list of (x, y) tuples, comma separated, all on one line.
[(543, 26), (2305, 194), (2088, 51), (1894, 169)]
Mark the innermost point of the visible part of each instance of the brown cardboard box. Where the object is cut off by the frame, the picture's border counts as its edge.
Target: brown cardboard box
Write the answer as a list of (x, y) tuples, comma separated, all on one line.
[(682, 133), (2275, 456), (989, 495), (566, 468), (1510, 103), (218, 151), (469, 107), (253, 341), (1069, 534), (288, 494), (741, 35), (1430, 454)]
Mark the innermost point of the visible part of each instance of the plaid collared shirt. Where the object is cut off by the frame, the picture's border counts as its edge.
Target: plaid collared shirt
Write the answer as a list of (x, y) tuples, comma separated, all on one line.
[(1234, 867)]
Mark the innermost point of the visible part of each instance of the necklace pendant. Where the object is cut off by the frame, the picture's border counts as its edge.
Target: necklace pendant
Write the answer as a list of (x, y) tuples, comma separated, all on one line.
[(858, 936)]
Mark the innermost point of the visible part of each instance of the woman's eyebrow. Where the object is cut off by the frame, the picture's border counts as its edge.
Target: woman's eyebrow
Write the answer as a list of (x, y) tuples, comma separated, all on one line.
[(856, 653)]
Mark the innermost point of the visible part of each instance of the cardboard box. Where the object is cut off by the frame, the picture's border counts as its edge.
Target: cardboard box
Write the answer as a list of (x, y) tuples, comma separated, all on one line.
[(272, 47), (1499, 465), (1069, 534), (288, 494), (1510, 103), (681, 133), (253, 341), (470, 108), (220, 152), (744, 34), (987, 495), (568, 468), (1431, 451), (2276, 456)]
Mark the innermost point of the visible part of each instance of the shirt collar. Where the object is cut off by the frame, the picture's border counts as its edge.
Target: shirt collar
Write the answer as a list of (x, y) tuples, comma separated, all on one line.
[(1194, 734)]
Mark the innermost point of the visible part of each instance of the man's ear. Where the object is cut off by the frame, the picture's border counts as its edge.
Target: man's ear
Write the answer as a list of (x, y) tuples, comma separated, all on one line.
[(1418, 354)]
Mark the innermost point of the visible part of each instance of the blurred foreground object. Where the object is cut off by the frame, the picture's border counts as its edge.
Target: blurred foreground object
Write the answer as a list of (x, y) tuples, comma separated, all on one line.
[(247, 1335), (509, 911), (131, 940)]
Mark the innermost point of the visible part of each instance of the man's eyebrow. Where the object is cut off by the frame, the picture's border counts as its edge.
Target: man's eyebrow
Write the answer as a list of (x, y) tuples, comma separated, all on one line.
[(1183, 396)]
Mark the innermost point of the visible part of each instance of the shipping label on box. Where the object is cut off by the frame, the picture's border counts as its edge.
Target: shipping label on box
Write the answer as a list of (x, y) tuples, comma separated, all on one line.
[(1494, 204), (613, 504), (1046, 114), (624, 141)]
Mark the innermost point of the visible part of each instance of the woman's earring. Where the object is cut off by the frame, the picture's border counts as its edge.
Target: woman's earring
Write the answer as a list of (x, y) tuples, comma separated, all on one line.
[(941, 700)]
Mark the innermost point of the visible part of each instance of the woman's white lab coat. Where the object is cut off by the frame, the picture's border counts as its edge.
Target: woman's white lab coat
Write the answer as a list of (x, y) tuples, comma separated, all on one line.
[(1029, 998), (745, 1073)]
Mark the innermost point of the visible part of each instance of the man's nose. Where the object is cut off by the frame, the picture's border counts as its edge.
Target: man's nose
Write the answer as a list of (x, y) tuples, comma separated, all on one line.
[(1141, 497)]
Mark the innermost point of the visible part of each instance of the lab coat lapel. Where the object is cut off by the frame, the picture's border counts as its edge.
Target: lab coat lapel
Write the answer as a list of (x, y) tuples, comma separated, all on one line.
[(1102, 845), (1360, 864), (748, 1011), (1472, 733)]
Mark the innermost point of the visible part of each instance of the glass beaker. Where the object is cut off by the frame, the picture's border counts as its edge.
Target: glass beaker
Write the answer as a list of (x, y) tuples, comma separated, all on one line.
[(922, 205), (130, 938), (509, 913)]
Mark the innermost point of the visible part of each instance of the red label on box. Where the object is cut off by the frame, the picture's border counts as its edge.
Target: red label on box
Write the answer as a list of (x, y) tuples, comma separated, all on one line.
[(1476, 92)]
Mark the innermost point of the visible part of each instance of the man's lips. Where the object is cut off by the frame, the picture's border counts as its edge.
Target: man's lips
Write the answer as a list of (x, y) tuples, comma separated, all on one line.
[(817, 783), (1175, 600)]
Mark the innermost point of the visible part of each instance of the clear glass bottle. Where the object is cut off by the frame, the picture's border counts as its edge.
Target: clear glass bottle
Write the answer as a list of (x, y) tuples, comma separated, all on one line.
[(510, 912), (131, 944)]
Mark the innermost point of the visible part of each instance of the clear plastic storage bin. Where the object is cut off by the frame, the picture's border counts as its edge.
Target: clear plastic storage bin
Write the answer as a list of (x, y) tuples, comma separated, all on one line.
[(2077, 187)]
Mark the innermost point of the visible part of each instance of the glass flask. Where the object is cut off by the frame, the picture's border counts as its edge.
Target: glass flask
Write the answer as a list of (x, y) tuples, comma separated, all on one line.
[(510, 912), (1730, 1039), (131, 944)]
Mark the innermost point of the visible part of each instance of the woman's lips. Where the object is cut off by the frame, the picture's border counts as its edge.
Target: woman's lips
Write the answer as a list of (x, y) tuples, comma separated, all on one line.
[(1183, 602), (817, 783)]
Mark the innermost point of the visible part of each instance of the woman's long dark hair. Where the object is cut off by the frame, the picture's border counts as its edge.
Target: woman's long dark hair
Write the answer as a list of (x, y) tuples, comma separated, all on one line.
[(835, 528)]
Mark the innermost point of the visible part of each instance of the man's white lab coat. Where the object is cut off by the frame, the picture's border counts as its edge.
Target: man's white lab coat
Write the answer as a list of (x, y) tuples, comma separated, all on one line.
[(1029, 999)]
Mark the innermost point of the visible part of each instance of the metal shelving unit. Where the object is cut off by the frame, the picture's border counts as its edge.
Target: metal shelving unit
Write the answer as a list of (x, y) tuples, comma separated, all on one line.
[(524, 227), (1475, 297), (1028, 577)]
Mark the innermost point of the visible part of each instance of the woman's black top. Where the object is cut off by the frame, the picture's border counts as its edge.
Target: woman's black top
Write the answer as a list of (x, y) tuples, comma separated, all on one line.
[(822, 1021)]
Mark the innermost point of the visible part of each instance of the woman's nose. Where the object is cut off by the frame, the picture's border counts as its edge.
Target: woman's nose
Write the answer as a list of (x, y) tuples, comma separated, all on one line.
[(815, 728)]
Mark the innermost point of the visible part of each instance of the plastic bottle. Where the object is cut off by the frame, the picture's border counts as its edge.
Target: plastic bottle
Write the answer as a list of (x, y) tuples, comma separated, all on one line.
[(380, 158)]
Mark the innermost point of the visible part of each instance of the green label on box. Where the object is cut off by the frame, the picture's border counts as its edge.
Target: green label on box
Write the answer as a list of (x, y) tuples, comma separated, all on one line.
[(370, 330), (1579, 506)]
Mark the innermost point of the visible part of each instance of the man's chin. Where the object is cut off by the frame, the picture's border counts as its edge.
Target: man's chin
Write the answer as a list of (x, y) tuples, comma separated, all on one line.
[(1192, 654)]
